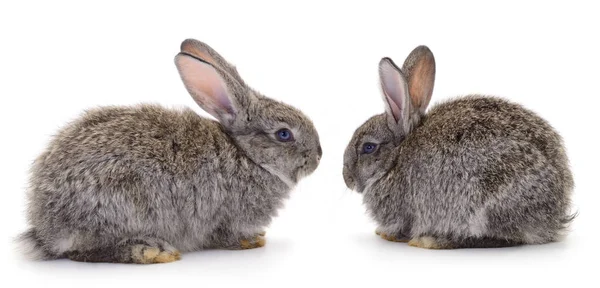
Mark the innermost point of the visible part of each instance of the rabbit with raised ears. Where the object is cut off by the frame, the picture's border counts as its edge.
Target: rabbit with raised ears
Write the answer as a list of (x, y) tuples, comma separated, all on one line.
[(142, 184), (476, 171)]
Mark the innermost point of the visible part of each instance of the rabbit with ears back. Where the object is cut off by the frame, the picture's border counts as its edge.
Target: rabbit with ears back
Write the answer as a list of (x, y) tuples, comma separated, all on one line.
[(142, 184), (475, 171)]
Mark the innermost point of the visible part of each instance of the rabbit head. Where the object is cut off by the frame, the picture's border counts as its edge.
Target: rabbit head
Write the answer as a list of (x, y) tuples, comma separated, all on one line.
[(274, 135), (406, 93)]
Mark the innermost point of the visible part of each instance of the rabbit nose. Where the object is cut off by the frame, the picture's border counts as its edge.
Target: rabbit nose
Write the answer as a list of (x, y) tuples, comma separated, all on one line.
[(319, 151)]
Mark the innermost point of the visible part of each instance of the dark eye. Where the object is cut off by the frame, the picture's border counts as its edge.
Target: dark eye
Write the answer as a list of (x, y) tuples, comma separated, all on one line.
[(284, 135), (369, 148)]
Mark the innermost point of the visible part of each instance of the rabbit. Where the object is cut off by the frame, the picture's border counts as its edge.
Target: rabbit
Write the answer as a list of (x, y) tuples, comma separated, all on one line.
[(143, 184), (471, 172)]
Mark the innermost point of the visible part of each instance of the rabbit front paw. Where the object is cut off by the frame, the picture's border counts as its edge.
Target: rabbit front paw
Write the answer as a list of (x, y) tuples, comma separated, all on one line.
[(429, 242), (145, 255), (391, 237), (255, 242)]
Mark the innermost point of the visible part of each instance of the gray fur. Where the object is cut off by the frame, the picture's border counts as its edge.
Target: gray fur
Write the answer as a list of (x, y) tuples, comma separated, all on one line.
[(119, 181), (476, 171)]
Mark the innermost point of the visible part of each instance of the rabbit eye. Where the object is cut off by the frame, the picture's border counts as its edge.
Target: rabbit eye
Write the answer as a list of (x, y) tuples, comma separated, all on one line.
[(369, 148), (284, 135)]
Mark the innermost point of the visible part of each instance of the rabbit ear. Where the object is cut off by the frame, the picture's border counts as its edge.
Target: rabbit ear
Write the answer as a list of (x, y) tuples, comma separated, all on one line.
[(395, 93), (419, 69), (203, 51), (210, 87)]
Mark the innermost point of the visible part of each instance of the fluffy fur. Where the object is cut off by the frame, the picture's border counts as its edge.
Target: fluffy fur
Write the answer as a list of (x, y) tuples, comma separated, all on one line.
[(142, 184), (475, 171)]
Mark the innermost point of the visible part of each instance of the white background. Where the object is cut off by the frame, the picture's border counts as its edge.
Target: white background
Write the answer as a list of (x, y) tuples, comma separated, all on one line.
[(58, 58)]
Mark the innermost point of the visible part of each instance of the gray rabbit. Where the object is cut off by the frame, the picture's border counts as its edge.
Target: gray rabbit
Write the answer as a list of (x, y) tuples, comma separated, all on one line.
[(142, 184), (472, 172)]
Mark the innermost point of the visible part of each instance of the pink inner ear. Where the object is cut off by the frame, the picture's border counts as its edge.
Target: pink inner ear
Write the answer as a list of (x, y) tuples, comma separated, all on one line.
[(394, 88), (395, 109), (206, 86)]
